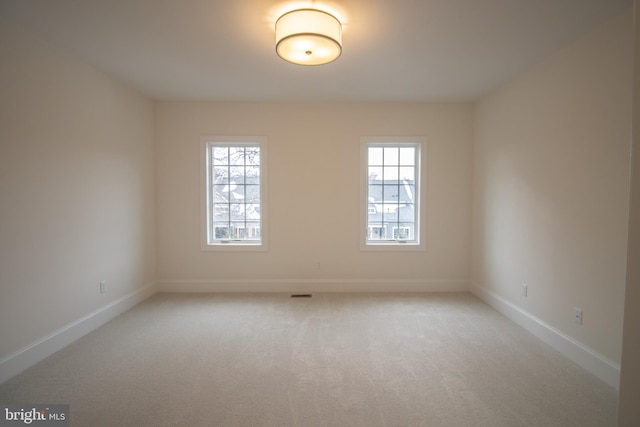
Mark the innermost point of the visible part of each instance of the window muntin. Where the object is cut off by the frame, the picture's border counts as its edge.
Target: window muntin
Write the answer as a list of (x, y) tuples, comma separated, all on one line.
[(392, 192), (234, 210)]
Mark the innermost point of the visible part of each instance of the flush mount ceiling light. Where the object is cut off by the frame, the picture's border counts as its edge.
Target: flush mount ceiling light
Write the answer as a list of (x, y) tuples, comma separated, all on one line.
[(308, 37)]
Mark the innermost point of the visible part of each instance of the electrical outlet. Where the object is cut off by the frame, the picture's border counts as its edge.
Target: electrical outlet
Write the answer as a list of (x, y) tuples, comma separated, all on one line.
[(103, 287), (577, 315), (525, 290), (317, 265)]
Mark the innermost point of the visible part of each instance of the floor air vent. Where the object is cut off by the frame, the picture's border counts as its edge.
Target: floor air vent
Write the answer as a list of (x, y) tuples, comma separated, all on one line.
[(301, 295)]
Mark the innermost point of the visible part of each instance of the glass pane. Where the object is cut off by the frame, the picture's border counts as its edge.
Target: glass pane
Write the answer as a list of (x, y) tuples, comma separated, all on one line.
[(253, 211), (221, 232), (406, 213), (375, 173), (401, 233), (220, 193), (389, 210), (388, 229), (375, 193), (252, 156), (407, 173), (237, 174), (252, 230), (406, 193), (252, 194), (390, 194), (237, 194), (237, 211), (391, 156), (408, 156), (390, 173), (220, 155), (376, 232), (391, 206), (375, 156), (252, 175), (236, 155), (221, 212), (220, 174), (232, 232)]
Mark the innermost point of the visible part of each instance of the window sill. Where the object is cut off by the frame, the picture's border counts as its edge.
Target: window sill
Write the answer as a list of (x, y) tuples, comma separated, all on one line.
[(232, 246), (392, 246)]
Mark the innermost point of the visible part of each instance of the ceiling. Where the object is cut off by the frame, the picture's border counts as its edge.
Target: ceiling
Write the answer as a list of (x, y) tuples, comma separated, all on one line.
[(393, 50)]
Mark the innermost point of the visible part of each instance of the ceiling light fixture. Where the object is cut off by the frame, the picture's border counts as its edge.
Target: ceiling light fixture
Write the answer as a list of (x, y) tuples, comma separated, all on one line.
[(308, 37)]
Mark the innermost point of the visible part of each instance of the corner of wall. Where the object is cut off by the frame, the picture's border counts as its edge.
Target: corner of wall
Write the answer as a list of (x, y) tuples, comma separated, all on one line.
[(24, 358)]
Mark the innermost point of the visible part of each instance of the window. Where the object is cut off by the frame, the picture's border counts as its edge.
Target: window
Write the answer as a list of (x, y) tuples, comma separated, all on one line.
[(391, 194), (234, 202)]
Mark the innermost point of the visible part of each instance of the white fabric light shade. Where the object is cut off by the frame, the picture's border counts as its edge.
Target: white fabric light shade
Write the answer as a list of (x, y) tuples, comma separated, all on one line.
[(308, 37)]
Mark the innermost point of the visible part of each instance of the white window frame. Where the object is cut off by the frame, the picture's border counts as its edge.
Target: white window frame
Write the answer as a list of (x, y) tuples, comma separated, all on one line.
[(206, 142), (419, 242)]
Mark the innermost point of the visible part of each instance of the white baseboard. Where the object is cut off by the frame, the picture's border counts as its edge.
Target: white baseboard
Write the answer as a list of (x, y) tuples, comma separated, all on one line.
[(22, 359), (600, 366), (314, 285), (592, 361)]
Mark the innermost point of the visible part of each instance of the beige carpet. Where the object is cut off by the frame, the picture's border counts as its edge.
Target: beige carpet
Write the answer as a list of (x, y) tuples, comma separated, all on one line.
[(332, 360)]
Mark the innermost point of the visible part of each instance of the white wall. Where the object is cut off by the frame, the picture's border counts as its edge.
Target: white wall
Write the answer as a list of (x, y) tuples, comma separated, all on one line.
[(313, 195), (551, 185), (629, 411), (76, 190)]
